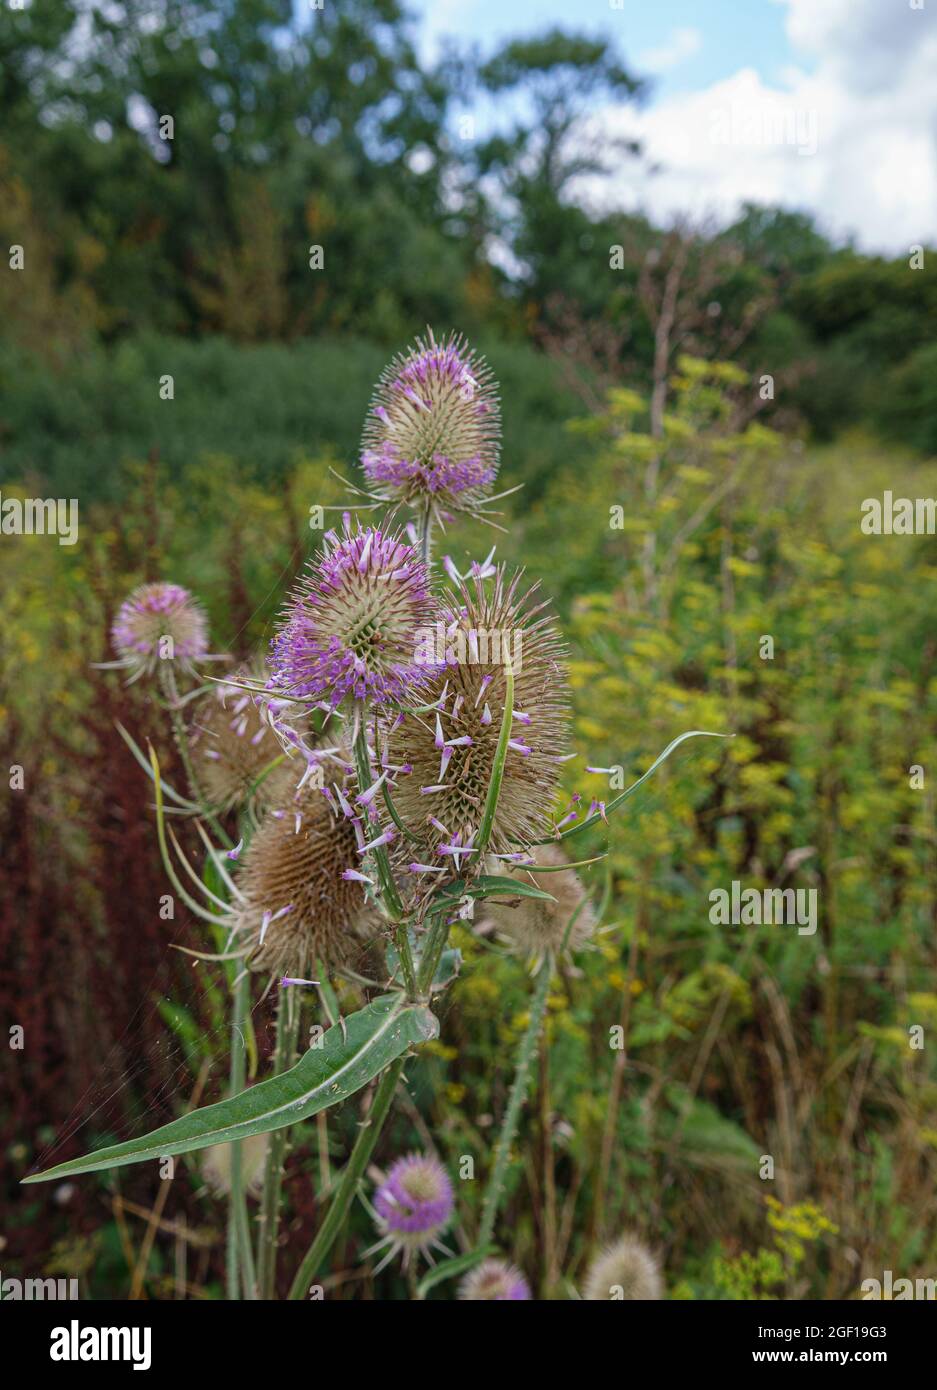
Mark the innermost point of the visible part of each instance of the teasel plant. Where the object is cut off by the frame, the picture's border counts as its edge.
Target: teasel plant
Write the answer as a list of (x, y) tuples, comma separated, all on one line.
[(394, 766)]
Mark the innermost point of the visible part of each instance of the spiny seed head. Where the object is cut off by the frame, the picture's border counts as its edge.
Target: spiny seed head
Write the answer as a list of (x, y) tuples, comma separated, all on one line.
[(216, 1165), (451, 751), (434, 427), (350, 627), (233, 745), (297, 908), (535, 925), (159, 622), (414, 1204), (626, 1270), (494, 1281)]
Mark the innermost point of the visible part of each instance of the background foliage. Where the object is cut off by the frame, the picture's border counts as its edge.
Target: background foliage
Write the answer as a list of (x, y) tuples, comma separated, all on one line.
[(739, 520)]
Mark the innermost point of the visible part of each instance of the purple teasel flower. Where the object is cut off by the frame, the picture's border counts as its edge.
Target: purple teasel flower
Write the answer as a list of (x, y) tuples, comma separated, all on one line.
[(159, 622), (494, 1281), (432, 438), (350, 628), (414, 1205)]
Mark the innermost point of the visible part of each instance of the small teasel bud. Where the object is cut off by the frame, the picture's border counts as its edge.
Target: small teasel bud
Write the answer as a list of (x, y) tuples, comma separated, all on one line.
[(216, 1165), (414, 1206), (625, 1270), (433, 433), (494, 1281), (159, 622), (351, 626), (234, 745), (536, 926)]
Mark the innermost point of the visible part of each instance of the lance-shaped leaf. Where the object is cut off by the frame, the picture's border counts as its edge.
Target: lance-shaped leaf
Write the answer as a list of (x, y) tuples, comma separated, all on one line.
[(347, 1059), (490, 886), (449, 1269)]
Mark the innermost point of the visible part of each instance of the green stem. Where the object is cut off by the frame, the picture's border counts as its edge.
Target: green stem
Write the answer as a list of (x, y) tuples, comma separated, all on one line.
[(287, 1028), (497, 767), (426, 537), (171, 691), (240, 1258), (433, 947), (338, 1211), (538, 1006), (382, 863)]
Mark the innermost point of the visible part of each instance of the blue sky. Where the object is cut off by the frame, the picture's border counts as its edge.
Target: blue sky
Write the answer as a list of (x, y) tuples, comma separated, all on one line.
[(826, 106), (731, 33)]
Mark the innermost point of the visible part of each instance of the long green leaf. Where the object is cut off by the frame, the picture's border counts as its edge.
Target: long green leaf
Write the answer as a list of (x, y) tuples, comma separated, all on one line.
[(490, 886), (325, 1075), (449, 1269)]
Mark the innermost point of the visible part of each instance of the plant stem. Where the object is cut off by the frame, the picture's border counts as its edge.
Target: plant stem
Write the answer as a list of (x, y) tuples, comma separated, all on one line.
[(433, 947), (538, 1006), (240, 1259), (382, 863), (338, 1211), (426, 537), (277, 1144), (171, 691)]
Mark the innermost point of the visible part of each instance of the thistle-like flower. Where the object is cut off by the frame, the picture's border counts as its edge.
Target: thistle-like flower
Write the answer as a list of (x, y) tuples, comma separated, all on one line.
[(235, 746), (159, 622), (536, 926), (450, 751), (433, 433), (414, 1205), (301, 898), (625, 1270), (494, 1281), (351, 626)]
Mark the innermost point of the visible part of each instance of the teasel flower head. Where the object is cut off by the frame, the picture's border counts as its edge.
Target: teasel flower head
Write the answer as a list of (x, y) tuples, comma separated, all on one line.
[(625, 1270), (494, 1281), (450, 751), (301, 895), (433, 433), (157, 623), (351, 625), (216, 1165), (414, 1205), (538, 927), (234, 745)]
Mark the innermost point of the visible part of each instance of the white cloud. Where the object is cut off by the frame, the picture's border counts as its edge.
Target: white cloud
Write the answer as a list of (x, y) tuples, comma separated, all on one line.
[(682, 44), (854, 140)]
